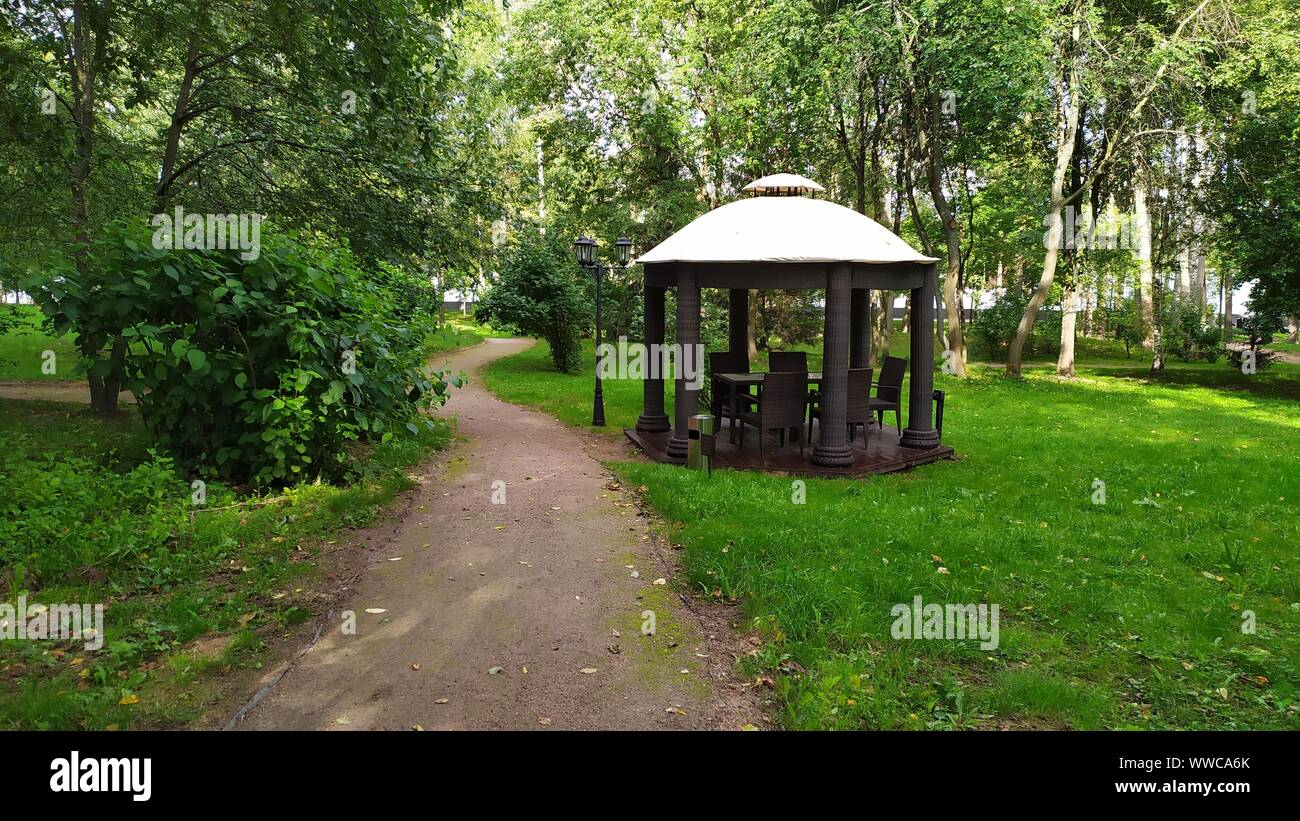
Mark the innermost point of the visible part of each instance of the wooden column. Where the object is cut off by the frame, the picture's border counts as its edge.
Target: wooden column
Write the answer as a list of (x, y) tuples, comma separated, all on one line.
[(653, 419), (860, 329), (832, 448), (920, 432), (687, 394), (738, 321)]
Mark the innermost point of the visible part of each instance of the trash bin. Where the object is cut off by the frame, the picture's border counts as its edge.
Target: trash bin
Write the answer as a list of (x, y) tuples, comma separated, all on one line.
[(700, 430)]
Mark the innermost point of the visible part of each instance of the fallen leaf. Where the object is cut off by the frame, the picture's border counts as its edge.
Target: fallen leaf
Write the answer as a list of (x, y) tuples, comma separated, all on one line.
[(545, 722), (440, 701), (415, 665), (129, 698), (586, 671), (376, 610), (492, 671)]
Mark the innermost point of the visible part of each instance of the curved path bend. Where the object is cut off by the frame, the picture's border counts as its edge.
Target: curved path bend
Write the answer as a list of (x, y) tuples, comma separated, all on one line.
[(516, 615)]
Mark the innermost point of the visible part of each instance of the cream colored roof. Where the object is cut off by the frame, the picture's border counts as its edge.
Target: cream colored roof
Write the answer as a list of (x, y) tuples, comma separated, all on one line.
[(783, 229)]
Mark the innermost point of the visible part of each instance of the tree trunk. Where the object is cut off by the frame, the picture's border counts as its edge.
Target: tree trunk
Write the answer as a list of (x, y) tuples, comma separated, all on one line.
[(1146, 315), (179, 116), (1069, 318), (883, 324), (85, 54), (1066, 132), (752, 347), (1227, 307), (932, 156), (1157, 341)]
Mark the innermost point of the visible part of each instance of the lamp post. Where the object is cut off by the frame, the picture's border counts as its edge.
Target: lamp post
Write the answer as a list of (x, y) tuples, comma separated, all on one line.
[(585, 249)]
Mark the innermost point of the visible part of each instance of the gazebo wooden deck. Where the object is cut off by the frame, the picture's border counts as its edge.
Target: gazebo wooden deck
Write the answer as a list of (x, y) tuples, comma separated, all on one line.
[(882, 454), (780, 239)]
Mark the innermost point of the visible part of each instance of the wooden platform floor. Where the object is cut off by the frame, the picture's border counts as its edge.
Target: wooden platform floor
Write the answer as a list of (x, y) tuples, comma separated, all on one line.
[(883, 455)]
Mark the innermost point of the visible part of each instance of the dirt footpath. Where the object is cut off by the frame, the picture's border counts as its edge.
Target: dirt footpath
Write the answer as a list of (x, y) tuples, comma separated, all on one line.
[(526, 614)]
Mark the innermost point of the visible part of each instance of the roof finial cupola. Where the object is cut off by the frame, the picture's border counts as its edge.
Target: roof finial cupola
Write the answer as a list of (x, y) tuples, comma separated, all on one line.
[(783, 185)]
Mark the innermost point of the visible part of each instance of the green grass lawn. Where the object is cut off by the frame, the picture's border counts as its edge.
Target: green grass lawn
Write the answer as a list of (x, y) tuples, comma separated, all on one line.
[(1126, 614), (459, 332), (529, 378), (23, 350), (88, 515)]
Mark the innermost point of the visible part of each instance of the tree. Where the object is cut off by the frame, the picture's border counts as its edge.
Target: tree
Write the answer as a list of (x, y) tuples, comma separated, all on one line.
[(538, 296)]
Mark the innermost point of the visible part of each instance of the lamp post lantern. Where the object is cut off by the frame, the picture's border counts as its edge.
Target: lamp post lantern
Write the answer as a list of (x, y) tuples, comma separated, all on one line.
[(585, 250)]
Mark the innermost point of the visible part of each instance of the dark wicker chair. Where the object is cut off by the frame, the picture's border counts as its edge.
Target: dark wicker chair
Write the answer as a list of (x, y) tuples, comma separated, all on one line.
[(782, 405), (720, 394), (859, 408), (889, 391), (797, 361), (787, 361), (724, 361)]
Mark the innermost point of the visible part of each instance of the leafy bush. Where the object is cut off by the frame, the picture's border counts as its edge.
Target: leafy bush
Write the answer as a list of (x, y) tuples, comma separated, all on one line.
[(994, 328), (538, 296), (261, 371), (1189, 334), (1123, 322)]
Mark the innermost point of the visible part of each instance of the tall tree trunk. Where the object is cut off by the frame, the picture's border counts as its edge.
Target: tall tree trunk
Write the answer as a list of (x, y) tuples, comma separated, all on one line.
[(931, 153), (882, 324), (1072, 288), (1070, 306), (1227, 307), (751, 345), (1157, 332), (86, 48), (1146, 313), (180, 114), (1066, 130)]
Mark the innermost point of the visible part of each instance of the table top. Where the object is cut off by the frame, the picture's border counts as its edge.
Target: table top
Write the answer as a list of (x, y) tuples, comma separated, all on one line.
[(757, 378)]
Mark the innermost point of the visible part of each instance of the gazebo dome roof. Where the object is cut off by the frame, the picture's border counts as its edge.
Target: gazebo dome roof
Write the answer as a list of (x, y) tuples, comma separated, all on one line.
[(774, 228)]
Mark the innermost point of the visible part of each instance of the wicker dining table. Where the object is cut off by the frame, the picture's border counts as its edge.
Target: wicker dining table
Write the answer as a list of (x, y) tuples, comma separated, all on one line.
[(736, 382)]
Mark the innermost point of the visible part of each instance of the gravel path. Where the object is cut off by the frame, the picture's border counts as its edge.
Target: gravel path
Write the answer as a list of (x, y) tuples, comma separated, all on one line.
[(518, 615)]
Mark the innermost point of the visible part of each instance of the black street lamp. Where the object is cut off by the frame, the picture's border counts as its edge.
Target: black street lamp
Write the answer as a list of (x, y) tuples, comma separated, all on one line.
[(585, 249)]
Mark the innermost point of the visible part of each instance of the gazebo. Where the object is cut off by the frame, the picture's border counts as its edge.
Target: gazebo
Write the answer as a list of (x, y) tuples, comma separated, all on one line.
[(781, 238)]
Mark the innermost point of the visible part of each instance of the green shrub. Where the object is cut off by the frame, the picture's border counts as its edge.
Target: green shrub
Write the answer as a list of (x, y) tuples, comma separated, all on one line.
[(263, 371), (538, 296), (994, 328), (1189, 334)]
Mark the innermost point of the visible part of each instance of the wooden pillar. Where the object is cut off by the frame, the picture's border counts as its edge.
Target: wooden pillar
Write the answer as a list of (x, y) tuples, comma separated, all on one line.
[(832, 449), (738, 321), (860, 329), (653, 419), (687, 393), (920, 432)]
